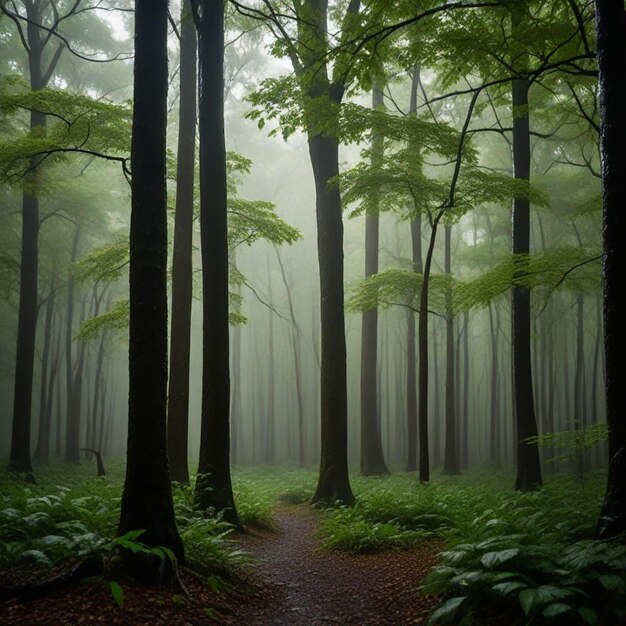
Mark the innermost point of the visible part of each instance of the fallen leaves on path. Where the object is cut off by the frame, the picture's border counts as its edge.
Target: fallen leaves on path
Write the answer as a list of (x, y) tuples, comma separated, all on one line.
[(294, 583)]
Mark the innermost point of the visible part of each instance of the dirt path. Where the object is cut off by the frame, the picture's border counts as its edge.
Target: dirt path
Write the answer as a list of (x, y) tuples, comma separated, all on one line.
[(295, 583), (315, 587)]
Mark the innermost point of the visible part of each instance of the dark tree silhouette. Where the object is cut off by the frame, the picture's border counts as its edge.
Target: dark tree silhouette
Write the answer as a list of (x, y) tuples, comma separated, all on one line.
[(147, 499), (213, 487), (528, 464), (611, 47), (180, 342), (35, 40)]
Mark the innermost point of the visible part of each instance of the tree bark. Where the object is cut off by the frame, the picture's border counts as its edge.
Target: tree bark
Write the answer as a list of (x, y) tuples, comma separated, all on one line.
[(20, 459), (147, 498), (611, 50), (333, 483), (182, 277), (528, 465), (214, 488)]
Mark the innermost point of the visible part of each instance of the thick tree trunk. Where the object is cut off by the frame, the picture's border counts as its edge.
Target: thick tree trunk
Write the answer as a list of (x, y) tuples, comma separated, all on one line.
[(182, 286), (451, 459), (334, 483), (372, 458), (611, 47), (147, 498), (214, 488), (528, 465), (20, 460)]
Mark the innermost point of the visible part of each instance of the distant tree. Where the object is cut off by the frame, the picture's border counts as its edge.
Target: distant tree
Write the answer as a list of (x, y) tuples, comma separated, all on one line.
[(611, 50), (372, 458), (147, 498)]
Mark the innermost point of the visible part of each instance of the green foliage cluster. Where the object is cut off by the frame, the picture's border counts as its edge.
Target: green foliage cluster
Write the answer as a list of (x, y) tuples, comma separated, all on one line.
[(76, 123), (571, 267), (527, 556), (573, 445), (70, 515)]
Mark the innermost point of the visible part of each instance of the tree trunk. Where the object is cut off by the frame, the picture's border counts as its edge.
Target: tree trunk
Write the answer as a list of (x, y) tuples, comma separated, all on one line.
[(182, 285), (372, 458), (424, 462), (528, 465), (20, 459), (451, 459), (435, 397), (43, 436), (214, 488), (611, 49), (333, 483), (147, 498)]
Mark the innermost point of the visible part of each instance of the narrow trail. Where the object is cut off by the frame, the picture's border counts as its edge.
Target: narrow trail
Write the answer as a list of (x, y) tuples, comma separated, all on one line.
[(294, 583), (315, 587)]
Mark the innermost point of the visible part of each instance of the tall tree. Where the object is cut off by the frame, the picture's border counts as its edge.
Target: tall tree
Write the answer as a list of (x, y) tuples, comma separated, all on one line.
[(35, 41), (611, 50), (147, 498), (528, 464), (372, 458), (316, 95), (182, 277), (213, 487)]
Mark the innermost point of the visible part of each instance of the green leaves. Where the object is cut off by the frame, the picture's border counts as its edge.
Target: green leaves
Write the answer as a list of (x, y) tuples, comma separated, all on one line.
[(494, 559), (447, 611), (76, 124), (117, 592)]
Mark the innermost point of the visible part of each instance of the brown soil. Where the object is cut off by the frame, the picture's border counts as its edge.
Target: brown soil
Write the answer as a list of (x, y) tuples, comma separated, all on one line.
[(294, 583)]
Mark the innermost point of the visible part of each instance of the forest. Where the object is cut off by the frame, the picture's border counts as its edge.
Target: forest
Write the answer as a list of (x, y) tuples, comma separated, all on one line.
[(311, 312)]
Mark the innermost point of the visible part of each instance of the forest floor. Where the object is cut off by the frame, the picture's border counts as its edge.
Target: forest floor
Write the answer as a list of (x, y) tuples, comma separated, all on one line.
[(293, 582)]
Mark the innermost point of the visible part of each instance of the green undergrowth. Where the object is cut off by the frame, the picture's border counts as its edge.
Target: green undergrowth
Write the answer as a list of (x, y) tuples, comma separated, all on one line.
[(70, 514), (529, 558), (525, 558)]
